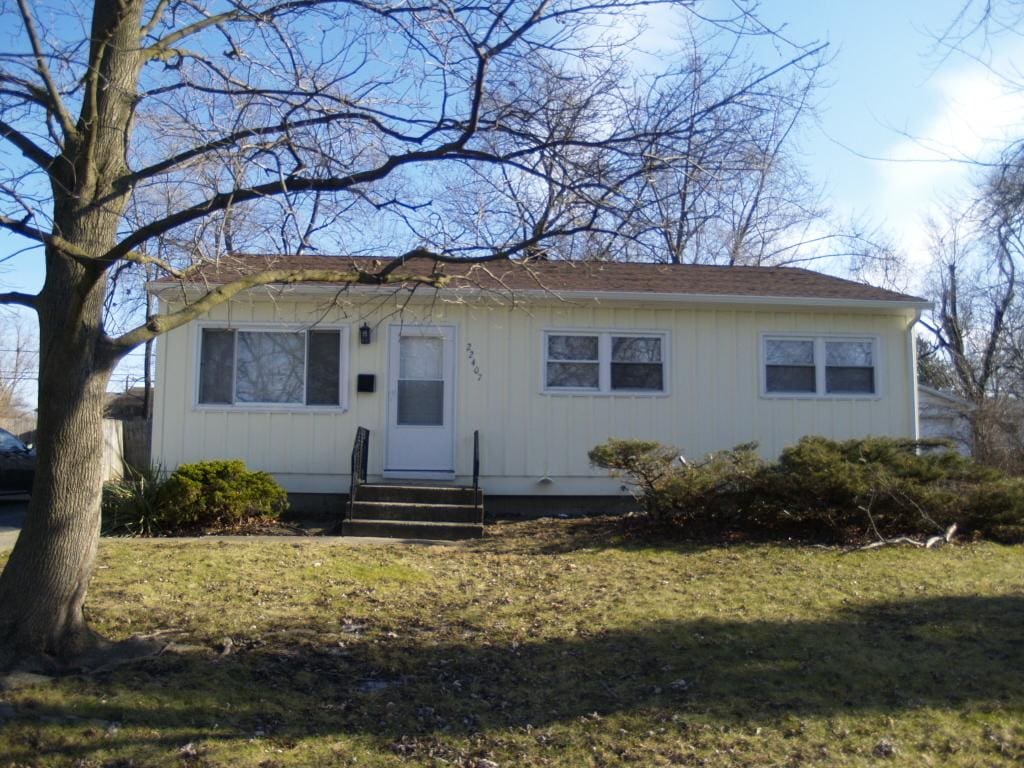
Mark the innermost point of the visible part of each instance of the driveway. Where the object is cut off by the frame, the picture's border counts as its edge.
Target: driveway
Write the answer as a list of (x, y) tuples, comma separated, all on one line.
[(12, 515)]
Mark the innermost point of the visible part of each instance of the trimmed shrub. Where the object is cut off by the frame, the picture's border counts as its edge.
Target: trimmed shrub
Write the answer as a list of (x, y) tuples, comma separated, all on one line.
[(643, 462), (701, 496), (201, 496), (218, 494), (822, 489)]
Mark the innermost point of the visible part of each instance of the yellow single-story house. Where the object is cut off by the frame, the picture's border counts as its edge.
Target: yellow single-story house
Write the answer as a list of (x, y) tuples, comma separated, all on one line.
[(541, 360)]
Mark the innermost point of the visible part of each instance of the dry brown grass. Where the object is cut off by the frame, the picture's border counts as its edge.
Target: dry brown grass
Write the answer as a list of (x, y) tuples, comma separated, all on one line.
[(549, 643)]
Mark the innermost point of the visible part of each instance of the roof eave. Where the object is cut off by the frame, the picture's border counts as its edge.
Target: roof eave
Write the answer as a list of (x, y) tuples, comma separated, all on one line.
[(628, 297), (717, 298), (942, 394)]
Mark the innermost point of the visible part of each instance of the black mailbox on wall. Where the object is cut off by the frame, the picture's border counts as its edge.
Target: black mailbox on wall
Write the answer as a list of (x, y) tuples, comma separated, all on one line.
[(366, 382)]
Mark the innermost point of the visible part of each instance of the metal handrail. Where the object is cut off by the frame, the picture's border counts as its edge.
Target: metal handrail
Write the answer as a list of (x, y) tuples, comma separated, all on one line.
[(360, 452), (476, 469)]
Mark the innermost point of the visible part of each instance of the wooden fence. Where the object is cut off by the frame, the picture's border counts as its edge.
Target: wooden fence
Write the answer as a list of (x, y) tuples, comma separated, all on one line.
[(113, 450), (136, 438), (124, 442)]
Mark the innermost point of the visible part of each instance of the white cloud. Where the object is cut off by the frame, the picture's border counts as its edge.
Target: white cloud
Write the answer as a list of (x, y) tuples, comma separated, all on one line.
[(975, 116)]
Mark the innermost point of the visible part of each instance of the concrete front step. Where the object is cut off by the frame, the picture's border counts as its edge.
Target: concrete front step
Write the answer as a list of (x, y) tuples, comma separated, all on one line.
[(418, 494), (427, 513), (407, 529), (416, 512)]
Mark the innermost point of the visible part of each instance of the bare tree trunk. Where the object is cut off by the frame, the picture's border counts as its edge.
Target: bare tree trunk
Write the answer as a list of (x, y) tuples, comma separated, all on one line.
[(43, 587)]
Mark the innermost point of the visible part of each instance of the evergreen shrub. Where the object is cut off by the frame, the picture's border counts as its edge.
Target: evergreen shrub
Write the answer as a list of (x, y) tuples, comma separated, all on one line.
[(821, 489), (205, 495)]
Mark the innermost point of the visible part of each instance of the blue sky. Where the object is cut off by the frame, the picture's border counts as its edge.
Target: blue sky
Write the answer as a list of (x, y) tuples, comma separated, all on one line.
[(894, 96), (891, 96), (886, 80)]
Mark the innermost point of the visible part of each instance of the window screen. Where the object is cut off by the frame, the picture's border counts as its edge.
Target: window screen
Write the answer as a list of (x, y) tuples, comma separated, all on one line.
[(636, 363), (270, 367), (789, 366), (323, 370), (820, 365), (849, 367), (216, 366), (572, 362)]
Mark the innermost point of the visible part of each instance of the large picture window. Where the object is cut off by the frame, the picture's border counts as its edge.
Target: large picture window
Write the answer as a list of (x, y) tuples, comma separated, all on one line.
[(269, 367), (820, 366), (606, 362)]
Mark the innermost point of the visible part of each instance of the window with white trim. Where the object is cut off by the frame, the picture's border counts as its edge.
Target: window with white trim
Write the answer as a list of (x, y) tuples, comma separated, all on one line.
[(850, 367), (243, 367), (789, 366), (604, 362), (819, 366)]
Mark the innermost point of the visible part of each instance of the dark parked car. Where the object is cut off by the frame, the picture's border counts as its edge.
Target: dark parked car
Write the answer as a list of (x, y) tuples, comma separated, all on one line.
[(17, 464)]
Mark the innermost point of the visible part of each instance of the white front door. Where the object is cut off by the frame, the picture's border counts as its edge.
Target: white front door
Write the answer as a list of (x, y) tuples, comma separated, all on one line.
[(421, 401)]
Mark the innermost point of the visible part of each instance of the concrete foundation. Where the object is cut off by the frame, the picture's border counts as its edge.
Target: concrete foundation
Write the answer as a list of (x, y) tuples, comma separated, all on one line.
[(328, 505)]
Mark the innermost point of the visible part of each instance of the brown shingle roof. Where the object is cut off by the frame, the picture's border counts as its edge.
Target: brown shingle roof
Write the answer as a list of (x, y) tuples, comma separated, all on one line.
[(585, 276)]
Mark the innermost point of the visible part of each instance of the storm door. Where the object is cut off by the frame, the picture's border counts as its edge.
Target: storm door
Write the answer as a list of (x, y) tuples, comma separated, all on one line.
[(421, 400)]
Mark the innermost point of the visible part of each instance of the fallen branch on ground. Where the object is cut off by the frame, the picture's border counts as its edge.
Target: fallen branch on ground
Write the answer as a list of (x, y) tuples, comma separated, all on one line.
[(931, 543)]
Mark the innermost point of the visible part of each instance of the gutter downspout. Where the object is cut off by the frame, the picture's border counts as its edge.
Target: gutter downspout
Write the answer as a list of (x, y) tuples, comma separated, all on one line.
[(912, 362)]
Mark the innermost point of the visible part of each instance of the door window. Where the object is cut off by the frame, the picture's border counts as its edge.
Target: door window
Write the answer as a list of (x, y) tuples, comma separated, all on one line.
[(420, 381)]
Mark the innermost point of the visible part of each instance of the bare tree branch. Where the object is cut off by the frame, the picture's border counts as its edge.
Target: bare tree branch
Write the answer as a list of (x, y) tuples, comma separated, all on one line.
[(25, 145), (21, 227), (378, 127), (56, 102), (159, 324), (21, 299)]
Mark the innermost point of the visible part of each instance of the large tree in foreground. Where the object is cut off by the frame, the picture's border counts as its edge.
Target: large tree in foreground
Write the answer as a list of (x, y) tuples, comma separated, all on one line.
[(143, 130)]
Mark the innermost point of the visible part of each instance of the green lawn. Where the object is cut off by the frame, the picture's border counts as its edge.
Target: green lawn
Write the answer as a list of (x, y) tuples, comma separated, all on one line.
[(548, 643)]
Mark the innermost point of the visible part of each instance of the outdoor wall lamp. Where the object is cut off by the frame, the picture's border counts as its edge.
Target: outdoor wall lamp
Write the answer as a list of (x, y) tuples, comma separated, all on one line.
[(364, 334)]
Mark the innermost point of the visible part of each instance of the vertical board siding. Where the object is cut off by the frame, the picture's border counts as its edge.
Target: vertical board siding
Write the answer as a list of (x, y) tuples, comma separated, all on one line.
[(712, 371)]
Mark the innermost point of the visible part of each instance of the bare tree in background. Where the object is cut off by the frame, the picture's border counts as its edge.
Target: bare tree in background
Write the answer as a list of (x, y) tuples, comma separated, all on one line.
[(272, 110), (978, 323), (978, 249), (974, 28), (933, 368), (18, 359), (670, 210), (729, 189)]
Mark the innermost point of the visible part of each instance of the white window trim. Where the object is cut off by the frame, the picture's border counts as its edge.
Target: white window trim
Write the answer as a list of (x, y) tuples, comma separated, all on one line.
[(819, 340), (343, 374), (604, 362)]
